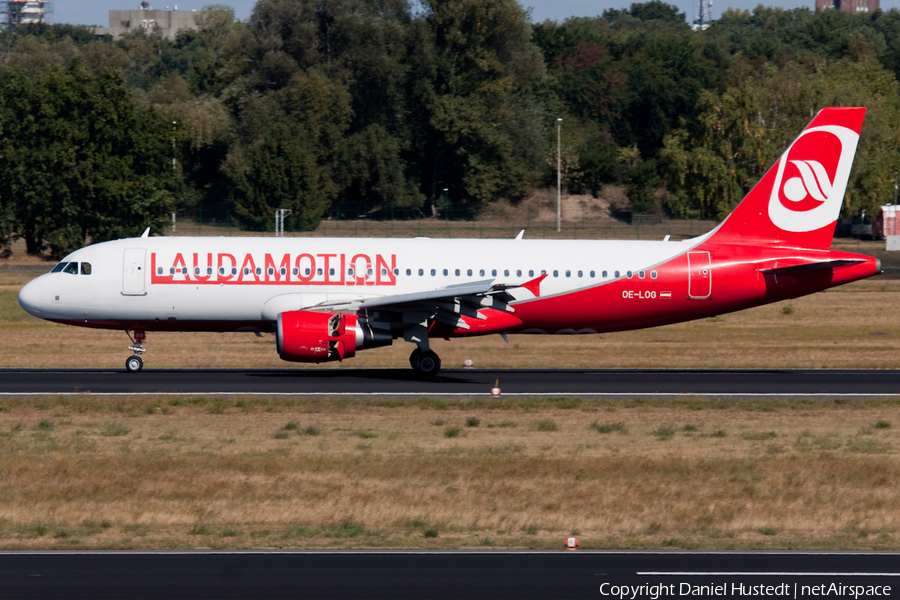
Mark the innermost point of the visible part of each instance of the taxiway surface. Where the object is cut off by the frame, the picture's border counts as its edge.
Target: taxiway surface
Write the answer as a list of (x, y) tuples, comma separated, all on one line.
[(419, 575), (402, 382)]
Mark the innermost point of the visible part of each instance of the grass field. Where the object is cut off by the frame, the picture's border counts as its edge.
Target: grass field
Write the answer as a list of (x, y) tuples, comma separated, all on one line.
[(216, 472), (207, 472)]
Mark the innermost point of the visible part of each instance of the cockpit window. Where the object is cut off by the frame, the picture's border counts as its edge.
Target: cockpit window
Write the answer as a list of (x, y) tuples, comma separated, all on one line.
[(59, 267), (85, 268), (72, 268)]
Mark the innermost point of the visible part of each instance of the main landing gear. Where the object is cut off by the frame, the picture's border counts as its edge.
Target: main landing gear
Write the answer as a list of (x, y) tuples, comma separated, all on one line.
[(136, 363), (425, 362)]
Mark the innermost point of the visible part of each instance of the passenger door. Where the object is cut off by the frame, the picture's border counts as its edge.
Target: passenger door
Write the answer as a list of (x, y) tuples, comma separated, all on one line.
[(700, 278), (134, 271)]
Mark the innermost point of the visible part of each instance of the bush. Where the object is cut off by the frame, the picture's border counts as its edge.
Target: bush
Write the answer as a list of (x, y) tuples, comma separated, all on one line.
[(608, 427), (546, 425), (664, 432), (473, 422), (452, 432)]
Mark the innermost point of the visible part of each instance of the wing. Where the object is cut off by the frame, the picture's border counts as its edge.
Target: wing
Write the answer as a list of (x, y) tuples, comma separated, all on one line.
[(446, 305)]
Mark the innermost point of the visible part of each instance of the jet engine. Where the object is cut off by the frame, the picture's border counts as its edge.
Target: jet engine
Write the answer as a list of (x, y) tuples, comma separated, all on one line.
[(306, 336)]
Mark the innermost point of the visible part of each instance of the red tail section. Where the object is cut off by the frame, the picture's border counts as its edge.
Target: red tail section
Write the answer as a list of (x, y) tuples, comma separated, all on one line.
[(797, 201)]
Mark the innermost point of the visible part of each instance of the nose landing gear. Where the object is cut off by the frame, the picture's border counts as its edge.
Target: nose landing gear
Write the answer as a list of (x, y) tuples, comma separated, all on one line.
[(136, 363)]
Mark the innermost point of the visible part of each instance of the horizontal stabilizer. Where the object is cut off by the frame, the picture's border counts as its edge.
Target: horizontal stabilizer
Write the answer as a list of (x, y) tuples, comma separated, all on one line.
[(799, 269)]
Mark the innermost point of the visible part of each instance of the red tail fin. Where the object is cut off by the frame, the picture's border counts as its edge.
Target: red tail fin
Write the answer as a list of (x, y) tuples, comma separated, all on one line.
[(797, 201)]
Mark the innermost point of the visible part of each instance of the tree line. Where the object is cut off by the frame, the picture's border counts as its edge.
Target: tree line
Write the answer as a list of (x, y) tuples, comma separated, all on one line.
[(342, 108)]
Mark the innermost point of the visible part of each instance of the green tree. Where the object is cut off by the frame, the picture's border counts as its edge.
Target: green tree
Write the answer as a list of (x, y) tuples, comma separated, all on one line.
[(78, 161), (717, 158)]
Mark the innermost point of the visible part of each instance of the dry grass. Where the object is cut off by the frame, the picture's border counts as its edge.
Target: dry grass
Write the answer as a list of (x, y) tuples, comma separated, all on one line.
[(91, 472), (857, 326)]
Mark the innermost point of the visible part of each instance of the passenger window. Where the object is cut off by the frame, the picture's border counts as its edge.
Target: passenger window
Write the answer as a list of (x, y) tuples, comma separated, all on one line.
[(270, 271), (349, 272), (543, 272), (652, 274), (159, 270), (493, 272), (196, 270), (519, 273), (295, 271), (481, 273), (184, 270), (457, 272), (283, 271), (368, 272), (209, 271), (506, 272), (629, 274), (307, 272), (409, 272), (593, 274), (603, 274), (568, 273), (530, 273), (469, 272), (62, 266), (580, 274), (384, 272), (86, 268), (556, 273), (640, 274), (445, 272), (318, 272), (396, 272), (433, 272), (421, 272), (617, 274), (233, 271)]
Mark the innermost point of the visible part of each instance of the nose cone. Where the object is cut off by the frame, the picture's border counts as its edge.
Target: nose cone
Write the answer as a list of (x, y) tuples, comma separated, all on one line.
[(30, 297)]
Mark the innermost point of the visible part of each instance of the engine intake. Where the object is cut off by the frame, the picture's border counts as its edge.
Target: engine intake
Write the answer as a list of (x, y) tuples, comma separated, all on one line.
[(305, 336)]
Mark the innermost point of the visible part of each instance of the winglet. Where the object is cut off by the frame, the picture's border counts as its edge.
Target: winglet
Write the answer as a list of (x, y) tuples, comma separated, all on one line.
[(146, 233), (534, 286), (521, 235)]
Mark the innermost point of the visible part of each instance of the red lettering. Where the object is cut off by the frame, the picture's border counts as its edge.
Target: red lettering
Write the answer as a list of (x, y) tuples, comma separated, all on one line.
[(285, 264), (197, 269), (381, 264), (156, 275), (248, 269), (226, 274), (327, 258), (360, 274), (180, 266), (312, 268)]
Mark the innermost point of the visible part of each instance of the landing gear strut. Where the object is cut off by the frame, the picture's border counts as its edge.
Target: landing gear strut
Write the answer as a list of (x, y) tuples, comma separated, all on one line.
[(425, 362), (136, 363)]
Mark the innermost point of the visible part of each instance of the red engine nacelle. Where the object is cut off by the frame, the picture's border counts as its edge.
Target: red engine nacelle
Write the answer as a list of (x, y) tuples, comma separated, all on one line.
[(305, 336)]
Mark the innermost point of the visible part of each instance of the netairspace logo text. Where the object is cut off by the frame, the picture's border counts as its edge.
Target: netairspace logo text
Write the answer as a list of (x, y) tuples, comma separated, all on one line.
[(736, 590)]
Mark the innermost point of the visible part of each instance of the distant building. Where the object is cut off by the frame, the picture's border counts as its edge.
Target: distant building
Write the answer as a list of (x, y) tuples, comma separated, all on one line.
[(20, 12), (169, 22), (850, 6)]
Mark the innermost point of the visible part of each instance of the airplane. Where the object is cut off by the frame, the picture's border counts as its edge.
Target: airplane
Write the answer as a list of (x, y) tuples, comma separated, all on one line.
[(327, 298)]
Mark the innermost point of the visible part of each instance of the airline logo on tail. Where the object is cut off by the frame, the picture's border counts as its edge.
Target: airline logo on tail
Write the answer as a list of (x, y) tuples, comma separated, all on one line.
[(811, 179)]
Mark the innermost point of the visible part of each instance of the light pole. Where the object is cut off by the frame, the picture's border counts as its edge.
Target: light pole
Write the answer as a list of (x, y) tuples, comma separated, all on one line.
[(558, 174)]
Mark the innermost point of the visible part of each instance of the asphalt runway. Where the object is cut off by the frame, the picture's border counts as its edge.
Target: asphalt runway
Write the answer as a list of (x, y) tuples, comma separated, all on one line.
[(470, 575), (461, 382)]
